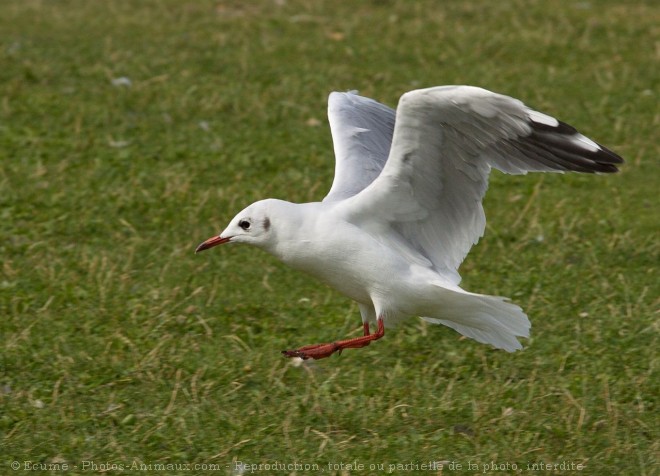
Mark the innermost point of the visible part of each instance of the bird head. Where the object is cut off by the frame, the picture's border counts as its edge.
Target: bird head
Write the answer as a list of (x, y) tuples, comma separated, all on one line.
[(251, 226)]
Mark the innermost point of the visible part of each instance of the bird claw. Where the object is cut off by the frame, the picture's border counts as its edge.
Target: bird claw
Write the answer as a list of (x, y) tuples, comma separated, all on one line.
[(295, 353), (315, 351), (321, 351)]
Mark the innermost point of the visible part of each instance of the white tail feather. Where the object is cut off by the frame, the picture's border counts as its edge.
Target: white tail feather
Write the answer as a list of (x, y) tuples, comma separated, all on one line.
[(486, 319)]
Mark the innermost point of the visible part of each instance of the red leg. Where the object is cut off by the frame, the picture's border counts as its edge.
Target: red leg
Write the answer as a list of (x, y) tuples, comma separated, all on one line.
[(321, 351)]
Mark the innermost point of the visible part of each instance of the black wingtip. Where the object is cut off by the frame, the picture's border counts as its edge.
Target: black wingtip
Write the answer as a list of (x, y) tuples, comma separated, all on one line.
[(569, 153)]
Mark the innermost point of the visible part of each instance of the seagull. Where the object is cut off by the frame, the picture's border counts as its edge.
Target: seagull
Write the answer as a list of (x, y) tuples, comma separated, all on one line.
[(405, 207)]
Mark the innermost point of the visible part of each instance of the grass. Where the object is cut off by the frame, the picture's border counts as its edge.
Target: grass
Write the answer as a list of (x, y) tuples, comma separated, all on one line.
[(121, 347)]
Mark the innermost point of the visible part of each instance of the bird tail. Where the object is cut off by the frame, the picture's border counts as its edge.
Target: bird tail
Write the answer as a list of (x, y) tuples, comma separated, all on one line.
[(486, 319)]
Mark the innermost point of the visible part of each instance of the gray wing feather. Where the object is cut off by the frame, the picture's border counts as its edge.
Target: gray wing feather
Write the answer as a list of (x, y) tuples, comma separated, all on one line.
[(362, 134)]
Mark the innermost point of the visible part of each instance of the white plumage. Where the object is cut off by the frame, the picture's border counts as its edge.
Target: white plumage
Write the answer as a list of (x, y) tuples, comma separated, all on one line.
[(405, 206)]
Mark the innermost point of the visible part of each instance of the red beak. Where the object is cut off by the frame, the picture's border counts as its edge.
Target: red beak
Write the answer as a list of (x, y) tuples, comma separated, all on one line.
[(211, 242)]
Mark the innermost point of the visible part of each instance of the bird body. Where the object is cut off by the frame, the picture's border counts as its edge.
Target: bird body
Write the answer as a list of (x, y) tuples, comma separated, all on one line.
[(405, 206), (318, 239), (351, 245)]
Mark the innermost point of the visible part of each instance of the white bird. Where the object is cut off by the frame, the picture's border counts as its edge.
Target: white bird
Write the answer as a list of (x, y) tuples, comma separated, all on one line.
[(405, 207)]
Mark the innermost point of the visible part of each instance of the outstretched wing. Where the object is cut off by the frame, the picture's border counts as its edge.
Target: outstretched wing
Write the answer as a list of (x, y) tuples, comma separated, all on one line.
[(362, 134), (428, 196)]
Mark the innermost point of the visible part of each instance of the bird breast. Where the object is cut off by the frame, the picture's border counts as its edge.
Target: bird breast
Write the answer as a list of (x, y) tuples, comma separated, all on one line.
[(344, 257)]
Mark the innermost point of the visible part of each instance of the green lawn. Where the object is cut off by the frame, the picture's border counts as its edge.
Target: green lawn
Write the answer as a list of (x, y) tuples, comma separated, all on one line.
[(131, 131)]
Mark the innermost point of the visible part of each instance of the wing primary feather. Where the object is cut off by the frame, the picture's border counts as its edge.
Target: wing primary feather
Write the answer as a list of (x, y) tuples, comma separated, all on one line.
[(571, 156), (566, 138), (540, 155)]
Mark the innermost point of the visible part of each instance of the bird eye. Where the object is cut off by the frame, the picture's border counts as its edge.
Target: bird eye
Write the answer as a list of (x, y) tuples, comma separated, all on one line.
[(244, 224)]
